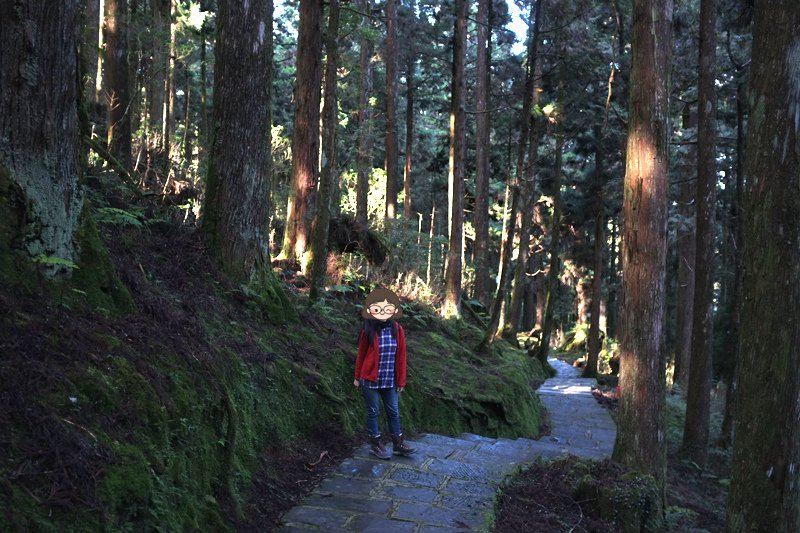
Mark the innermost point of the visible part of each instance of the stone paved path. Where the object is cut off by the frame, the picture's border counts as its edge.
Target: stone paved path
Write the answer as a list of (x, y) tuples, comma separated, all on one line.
[(450, 484)]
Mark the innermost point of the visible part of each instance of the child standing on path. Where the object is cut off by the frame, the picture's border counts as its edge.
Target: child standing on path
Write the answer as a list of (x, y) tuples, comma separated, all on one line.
[(381, 368)]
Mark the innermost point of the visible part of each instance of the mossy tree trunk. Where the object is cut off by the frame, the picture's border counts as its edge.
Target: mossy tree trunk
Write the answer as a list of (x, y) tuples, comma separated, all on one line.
[(482, 126), (640, 443), (764, 492), (452, 297), (364, 156), (328, 175), (117, 86), (39, 126), (305, 142), (236, 207), (698, 398), (391, 109)]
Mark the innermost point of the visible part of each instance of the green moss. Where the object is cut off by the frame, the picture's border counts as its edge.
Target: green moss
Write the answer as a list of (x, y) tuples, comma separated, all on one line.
[(184, 435), (268, 297), (95, 283), (19, 511), (633, 502), (127, 485)]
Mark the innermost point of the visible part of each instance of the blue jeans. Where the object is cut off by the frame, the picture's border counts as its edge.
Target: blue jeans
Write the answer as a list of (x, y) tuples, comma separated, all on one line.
[(372, 399)]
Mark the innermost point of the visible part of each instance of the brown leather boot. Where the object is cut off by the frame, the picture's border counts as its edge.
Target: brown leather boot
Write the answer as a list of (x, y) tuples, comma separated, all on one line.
[(399, 447), (377, 448)]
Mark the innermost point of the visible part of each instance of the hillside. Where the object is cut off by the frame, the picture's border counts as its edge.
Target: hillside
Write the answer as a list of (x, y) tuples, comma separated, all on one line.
[(149, 400)]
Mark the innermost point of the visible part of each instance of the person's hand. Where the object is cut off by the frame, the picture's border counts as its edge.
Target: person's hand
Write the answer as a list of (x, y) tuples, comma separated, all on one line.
[(400, 389), (356, 383)]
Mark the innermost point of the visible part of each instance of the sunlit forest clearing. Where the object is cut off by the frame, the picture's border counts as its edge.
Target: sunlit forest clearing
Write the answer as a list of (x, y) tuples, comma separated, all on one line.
[(196, 197)]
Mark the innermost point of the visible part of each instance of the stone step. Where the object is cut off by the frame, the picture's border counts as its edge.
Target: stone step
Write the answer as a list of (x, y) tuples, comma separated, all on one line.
[(450, 483)]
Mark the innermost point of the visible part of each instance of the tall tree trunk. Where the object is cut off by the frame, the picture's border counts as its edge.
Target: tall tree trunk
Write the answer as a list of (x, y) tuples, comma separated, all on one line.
[(330, 117), (157, 71), (555, 244), (527, 191), (452, 296), (726, 432), (410, 68), (611, 307), (117, 82), (391, 109), (593, 342), (236, 211), (695, 429), (687, 248), (168, 130), (640, 440), (90, 47), (364, 156), (506, 246), (205, 127), (766, 451), (187, 124), (101, 46), (430, 244), (39, 126), (482, 127), (529, 303), (305, 143)]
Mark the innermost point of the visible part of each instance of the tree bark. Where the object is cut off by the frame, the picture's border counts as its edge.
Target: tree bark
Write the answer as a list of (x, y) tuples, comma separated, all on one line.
[(452, 297), (482, 149), (330, 117), (698, 400), (766, 452), (687, 248), (410, 68), (640, 442), (39, 125), (236, 211), (305, 143), (364, 156), (117, 81), (391, 109), (594, 344)]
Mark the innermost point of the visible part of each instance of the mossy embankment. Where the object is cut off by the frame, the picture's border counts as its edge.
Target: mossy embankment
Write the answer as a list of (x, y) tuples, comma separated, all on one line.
[(154, 416)]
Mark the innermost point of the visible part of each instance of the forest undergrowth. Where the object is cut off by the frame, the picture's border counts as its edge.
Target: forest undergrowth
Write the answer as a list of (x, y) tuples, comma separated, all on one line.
[(213, 404), (575, 495)]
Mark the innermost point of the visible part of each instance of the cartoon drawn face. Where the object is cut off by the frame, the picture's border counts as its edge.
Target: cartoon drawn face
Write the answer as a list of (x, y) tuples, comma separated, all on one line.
[(382, 304), (382, 310)]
